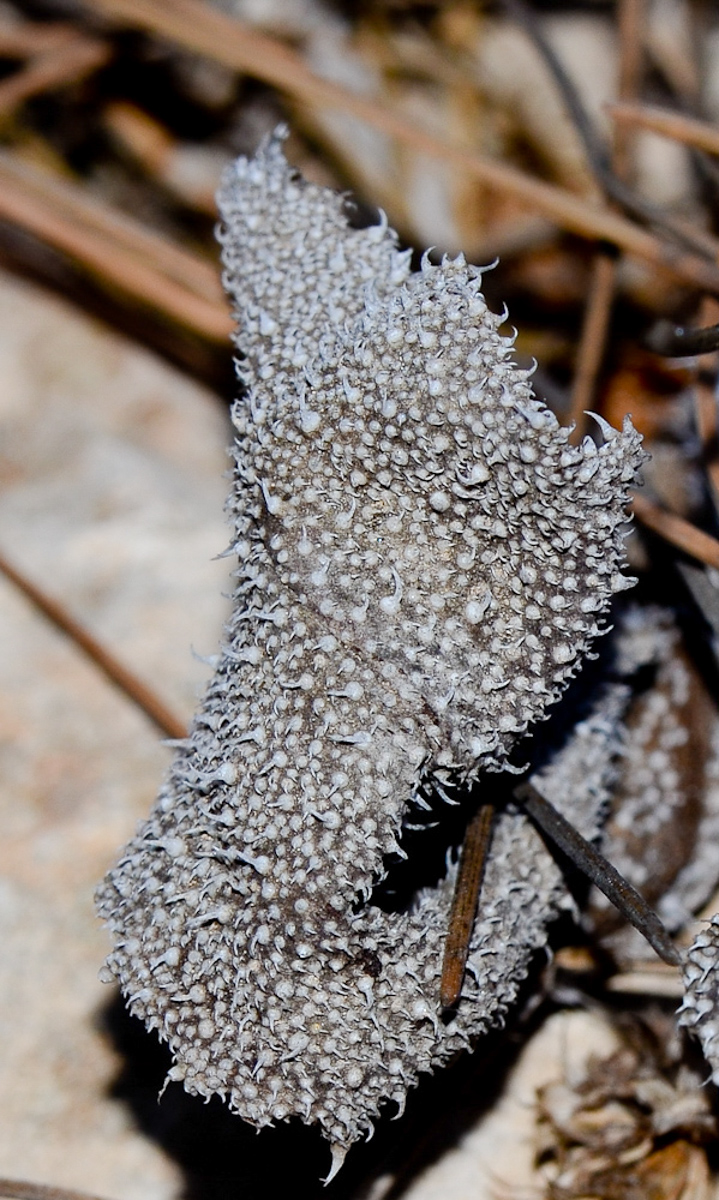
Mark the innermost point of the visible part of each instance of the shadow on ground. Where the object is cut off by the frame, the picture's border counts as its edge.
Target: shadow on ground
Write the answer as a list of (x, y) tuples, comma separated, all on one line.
[(222, 1157)]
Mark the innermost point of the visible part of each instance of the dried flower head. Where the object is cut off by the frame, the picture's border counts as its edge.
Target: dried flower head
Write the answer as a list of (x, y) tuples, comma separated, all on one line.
[(424, 559)]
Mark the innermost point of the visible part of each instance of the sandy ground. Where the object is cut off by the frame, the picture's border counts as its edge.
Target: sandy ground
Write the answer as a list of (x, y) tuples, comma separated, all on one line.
[(111, 495)]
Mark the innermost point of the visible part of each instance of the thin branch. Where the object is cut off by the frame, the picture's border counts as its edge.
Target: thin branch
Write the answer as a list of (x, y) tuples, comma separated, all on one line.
[(20, 1189), (464, 904), (189, 270), (598, 309), (119, 251), (677, 341), (594, 148), (667, 123), (592, 341), (632, 16), (204, 30), (137, 691), (52, 61), (647, 981), (163, 156), (598, 158), (678, 532), (598, 870)]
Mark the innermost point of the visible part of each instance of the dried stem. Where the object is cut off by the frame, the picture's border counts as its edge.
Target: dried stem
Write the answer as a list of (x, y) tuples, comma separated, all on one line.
[(593, 340), (137, 691), (21, 1189), (632, 20), (206, 31), (598, 311), (610, 183), (677, 531), (464, 904), (647, 981), (55, 56), (598, 870), (667, 123), (180, 285)]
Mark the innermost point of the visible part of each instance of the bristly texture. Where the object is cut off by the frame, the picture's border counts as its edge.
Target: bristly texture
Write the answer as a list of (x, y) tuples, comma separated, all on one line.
[(424, 559), (700, 1008), (663, 828)]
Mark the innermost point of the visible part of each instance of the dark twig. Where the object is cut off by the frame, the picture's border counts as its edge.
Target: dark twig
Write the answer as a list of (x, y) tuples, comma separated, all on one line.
[(170, 724), (705, 403), (595, 866), (594, 147), (597, 155), (675, 341), (464, 903)]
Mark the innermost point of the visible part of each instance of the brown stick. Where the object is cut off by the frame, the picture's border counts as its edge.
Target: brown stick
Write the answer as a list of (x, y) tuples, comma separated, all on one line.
[(464, 904), (677, 531), (598, 311), (182, 266), (598, 870), (73, 57), (592, 341), (143, 264), (632, 21), (21, 1189), (663, 121), (146, 699), (204, 30)]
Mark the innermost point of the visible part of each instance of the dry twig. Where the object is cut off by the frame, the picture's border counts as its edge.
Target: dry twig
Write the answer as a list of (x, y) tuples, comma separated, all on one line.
[(21, 1189), (593, 342), (137, 691), (55, 55), (152, 270), (204, 30), (464, 903), (667, 123), (677, 531)]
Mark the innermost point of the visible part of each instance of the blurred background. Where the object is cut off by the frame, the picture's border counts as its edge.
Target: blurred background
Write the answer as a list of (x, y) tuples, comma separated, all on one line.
[(576, 146)]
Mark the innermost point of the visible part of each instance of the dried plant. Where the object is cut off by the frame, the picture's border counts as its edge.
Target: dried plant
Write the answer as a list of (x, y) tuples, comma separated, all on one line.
[(95, 179), (424, 561), (635, 1124)]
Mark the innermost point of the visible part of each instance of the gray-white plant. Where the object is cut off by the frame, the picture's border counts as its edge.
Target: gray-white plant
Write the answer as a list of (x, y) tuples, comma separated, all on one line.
[(424, 559)]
